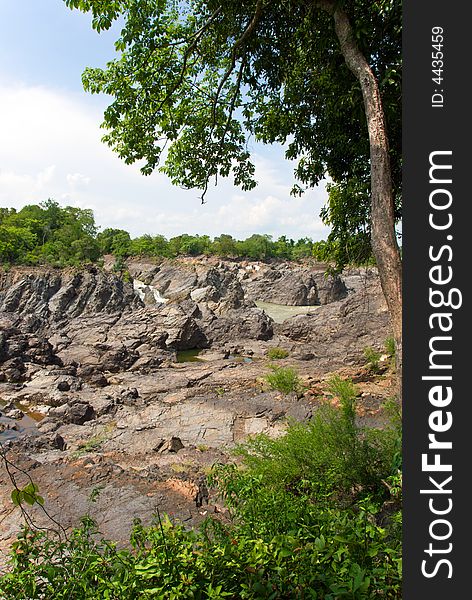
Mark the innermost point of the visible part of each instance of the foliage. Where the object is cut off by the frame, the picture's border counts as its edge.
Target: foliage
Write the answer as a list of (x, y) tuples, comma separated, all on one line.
[(284, 379), (390, 346), (372, 357), (90, 445), (349, 558), (114, 241), (198, 79), (314, 514), (28, 494), (50, 234), (277, 353), (329, 456)]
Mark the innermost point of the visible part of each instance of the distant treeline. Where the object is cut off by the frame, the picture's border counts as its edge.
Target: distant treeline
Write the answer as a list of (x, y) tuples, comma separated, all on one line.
[(50, 234)]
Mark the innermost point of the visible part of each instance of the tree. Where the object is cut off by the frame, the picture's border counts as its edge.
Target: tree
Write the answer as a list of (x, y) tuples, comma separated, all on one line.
[(15, 242), (149, 246), (224, 245), (114, 241), (48, 233), (197, 78), (256, 246)]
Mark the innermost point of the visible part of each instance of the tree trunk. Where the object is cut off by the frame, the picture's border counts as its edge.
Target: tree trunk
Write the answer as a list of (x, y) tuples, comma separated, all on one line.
[(383, 238)]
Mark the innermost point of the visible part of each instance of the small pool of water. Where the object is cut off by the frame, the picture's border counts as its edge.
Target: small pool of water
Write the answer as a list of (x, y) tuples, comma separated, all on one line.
[(281, 312), (240, 359), (26, 424), (188, 355), (193, 355)]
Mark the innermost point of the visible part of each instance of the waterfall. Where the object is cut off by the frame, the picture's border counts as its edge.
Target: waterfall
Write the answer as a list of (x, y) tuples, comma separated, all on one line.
[(142, 288)]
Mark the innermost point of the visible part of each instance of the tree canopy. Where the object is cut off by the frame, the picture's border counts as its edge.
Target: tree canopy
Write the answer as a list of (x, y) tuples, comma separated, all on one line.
[(48, 233), (194, 81), (65, 236)]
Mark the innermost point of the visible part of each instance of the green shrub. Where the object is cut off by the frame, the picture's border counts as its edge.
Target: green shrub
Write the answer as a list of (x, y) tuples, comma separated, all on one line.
[(345, 556), (330, 455), (346, 391), (284, 379), (389, 345), (277, 353), (119, 265), (307, 521), (324, 483), (372, 357), (126, 276), (390, 350)]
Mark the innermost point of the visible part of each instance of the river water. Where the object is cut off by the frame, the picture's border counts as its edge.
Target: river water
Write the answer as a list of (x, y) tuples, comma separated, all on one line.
[(281, 312), (26, 423), (140, 288)]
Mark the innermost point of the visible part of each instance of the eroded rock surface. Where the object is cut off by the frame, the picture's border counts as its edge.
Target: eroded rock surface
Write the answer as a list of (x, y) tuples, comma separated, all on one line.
[(337, 333), (103, 408), (295, 286)]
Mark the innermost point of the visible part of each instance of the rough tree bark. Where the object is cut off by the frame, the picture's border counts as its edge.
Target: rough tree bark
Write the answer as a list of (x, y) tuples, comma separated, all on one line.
[(383, 238)]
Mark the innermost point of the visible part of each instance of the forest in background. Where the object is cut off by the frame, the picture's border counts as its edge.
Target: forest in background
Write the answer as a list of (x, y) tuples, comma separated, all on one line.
[(67, 236)]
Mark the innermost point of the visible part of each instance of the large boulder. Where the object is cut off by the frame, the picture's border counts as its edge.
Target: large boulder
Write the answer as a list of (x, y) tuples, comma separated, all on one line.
[(337, 333), (18, 348), (175, 281), (235, 325), (76, 413), (289, 285)]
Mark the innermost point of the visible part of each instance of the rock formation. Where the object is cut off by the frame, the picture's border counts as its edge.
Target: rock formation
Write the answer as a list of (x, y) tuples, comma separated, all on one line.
[(95, 358)]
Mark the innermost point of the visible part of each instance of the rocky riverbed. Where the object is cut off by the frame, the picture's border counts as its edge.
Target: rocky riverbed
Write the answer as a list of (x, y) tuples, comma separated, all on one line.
[(96, 406)]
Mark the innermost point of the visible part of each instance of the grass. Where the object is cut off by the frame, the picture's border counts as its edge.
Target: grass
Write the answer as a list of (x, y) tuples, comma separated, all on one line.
[(90, 445), (277, 353), (372, 357), (284, 379), (389, 345), (94, 443)]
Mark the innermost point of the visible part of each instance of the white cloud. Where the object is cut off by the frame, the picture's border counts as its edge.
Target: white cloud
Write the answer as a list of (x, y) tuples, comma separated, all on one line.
[(44, 178), (24, 185), (77, 180), (50, 147)]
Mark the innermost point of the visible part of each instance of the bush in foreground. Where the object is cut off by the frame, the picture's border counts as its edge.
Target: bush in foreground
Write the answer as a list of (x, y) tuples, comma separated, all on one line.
[(284, 379), (314, 514)]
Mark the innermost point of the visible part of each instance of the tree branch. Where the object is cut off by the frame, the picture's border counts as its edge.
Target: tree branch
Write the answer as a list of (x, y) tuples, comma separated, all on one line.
[(245, 36)]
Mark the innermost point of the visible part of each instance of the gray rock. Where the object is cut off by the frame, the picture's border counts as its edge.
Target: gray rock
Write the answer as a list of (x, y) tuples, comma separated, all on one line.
[(329, 288), (174, 444), (48, 425), (79, 413), (57, 441), (7, 424), (337, 333), (15, 413), (98, 379), (284, 283)]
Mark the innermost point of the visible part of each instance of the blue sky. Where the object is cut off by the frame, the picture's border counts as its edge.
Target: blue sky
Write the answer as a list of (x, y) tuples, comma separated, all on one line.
[(50, 143)]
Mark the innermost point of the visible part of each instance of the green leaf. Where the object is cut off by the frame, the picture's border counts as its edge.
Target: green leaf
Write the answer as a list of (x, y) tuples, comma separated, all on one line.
[(28, 498)]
